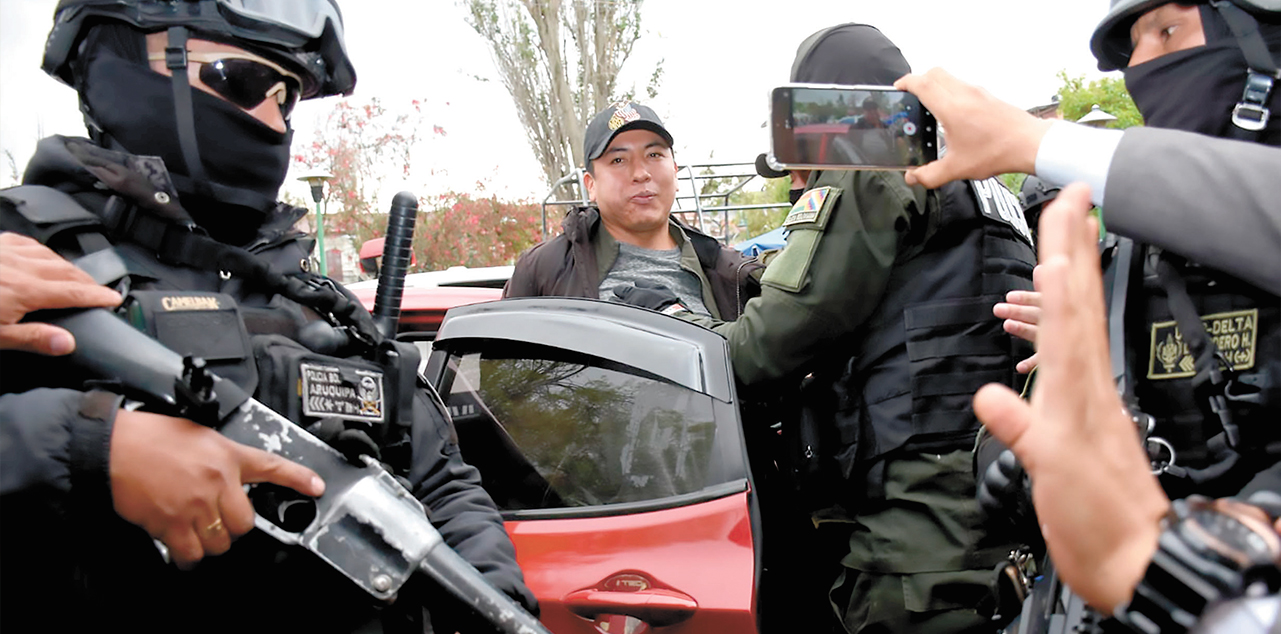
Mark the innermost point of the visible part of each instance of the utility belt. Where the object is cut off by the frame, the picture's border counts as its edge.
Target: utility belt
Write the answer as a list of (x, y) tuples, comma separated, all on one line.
[(307, 387)]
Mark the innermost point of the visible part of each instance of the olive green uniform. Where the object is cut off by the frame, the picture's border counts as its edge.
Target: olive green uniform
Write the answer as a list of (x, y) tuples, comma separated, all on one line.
[(916, 559)]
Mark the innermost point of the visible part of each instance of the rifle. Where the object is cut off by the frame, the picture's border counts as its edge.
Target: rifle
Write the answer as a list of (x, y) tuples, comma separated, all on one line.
[(366, 524)]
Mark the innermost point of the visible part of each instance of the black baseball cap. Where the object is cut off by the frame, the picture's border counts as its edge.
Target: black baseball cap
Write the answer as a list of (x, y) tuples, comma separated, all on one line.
[(620, 117)]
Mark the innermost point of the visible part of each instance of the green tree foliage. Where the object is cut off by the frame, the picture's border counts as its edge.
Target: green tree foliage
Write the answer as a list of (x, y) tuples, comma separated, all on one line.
[(559, 60), (458, 230), (1013, 182), (724, 191), (1076, 97), (754, 222)]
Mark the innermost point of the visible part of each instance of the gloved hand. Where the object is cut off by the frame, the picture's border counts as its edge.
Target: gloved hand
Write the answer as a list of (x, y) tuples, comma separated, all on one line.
[(655, 297), (351, 443), (1004, 492)]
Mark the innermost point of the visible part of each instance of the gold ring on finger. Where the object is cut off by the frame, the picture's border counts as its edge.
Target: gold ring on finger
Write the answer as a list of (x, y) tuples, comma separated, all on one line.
[(214, 528)]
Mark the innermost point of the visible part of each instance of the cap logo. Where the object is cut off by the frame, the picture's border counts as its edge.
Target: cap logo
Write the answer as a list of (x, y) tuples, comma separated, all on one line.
[(624, 113)]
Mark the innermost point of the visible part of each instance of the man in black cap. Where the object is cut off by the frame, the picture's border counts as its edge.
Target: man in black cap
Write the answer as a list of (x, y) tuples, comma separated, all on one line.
[(880, 304), (628, 247), (872, 117)]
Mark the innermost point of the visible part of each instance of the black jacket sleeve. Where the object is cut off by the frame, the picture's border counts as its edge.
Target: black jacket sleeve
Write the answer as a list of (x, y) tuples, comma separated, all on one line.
[(54, 443), (459, 508)]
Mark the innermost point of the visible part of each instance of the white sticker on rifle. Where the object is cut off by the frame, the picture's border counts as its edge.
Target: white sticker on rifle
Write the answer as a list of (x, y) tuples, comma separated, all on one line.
[(347, 393)]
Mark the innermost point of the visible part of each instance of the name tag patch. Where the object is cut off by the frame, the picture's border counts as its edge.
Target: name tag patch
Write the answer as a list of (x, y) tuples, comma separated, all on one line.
[(1235, 334), (347, 393), (807, 209)]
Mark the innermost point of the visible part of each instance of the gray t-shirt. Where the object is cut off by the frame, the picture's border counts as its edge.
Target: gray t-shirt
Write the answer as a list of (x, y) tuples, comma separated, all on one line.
[(651, 266)]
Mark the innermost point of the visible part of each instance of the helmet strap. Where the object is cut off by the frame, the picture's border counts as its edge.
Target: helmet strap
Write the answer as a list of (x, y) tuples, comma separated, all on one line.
[(1251, 114), (176, 62)]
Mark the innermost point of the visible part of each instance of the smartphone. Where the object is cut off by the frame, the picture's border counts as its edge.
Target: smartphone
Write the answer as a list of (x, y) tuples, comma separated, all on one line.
[(817, 126)]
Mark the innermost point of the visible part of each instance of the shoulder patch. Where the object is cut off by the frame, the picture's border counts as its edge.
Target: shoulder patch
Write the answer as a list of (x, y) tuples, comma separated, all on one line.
[(813, 208)]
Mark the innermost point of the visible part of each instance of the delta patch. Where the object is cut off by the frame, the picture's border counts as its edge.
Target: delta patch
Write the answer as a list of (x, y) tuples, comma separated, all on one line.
[(339, 392), (808, 208), (1235, 334)]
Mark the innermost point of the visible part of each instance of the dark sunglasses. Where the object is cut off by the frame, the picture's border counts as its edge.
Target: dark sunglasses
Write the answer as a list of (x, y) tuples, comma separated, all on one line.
[(246, 80)]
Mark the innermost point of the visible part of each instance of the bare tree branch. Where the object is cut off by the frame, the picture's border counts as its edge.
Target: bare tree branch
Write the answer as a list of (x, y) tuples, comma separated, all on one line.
[(559, 60)]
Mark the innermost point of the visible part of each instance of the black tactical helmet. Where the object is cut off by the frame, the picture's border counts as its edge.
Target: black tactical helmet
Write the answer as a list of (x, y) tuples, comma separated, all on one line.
[(1111, 41), (305, 34), (1036, 192)]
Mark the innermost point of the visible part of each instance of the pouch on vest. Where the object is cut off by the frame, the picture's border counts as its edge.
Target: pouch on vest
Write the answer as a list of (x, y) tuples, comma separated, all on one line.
[(810, 445), (43, 212), (193, 323)]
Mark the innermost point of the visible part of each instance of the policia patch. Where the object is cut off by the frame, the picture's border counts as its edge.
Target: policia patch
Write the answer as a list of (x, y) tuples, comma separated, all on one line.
[(806, 221), (1235, 334), (347, 393)]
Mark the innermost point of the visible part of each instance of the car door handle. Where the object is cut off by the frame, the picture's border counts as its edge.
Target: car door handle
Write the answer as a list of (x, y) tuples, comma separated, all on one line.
[(655, 606)]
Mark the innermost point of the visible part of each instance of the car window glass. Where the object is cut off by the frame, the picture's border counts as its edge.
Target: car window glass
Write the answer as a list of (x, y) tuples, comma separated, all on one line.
[(557, 431)]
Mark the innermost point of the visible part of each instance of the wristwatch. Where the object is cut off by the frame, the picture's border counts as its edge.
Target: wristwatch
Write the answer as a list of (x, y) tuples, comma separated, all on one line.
[(1209, 551)]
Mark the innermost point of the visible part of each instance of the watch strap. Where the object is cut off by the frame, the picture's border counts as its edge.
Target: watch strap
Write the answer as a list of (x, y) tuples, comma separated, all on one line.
[(1175, 590)]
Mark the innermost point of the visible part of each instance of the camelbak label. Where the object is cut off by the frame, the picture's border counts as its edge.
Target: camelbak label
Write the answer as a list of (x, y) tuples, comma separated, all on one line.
[(348, 393), (1234, 334), (997, 203), (189, 302)]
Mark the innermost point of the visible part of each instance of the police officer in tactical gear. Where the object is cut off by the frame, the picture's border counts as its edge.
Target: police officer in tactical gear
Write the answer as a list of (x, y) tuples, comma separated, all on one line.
[(172, 201), (1196, 349), (883, 297), (1203, 348)]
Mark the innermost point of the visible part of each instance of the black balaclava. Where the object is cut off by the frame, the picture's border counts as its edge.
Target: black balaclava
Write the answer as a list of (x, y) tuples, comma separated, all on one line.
[(849, 54), (1196, 89), (244, 159)]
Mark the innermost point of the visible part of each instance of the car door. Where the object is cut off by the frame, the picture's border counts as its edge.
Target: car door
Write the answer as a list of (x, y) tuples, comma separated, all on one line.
[(610, 439)]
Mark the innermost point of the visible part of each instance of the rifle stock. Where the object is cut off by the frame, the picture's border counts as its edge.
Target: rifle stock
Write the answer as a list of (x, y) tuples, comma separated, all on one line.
[(366, 525)]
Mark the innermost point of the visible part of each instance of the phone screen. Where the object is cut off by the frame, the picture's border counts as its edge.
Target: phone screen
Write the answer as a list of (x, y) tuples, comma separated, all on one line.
[(850, 127)]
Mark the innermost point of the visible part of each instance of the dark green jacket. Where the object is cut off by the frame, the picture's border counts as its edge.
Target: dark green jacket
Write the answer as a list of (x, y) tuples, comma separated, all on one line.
[(885, 293)]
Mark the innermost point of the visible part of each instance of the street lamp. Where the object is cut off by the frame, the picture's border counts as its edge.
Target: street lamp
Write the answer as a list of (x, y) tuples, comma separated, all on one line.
[(1096, 117), (317, 180)]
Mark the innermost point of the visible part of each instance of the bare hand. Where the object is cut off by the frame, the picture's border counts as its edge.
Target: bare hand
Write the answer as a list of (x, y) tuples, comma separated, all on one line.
[(33, 277), (1098, 503), (1022, 312), (985, 136), (182, 482)]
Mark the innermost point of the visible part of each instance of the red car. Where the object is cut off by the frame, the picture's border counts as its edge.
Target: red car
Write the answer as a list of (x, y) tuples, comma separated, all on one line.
[(610, 438)]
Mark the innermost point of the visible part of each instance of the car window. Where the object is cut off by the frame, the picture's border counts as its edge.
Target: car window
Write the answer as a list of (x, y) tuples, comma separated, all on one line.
[(550, 429)]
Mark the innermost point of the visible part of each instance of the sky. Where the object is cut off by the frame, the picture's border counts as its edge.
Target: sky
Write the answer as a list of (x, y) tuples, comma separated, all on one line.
[(720, 60)]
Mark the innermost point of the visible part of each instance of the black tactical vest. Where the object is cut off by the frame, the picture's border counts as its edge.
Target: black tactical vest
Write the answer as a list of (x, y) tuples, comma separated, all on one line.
[(933, 341), (245, 335), (1244, 323)]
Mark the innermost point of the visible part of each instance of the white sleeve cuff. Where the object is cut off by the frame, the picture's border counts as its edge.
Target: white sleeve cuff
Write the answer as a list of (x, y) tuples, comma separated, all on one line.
[(1072, 153)]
